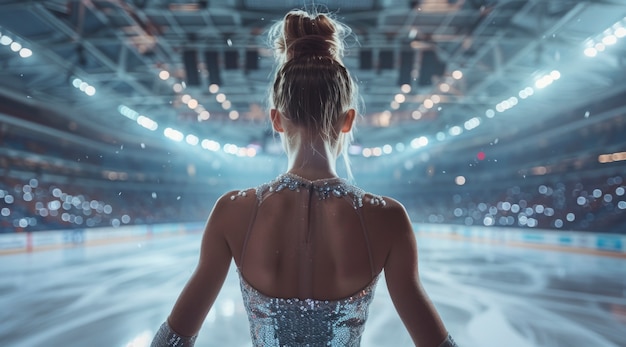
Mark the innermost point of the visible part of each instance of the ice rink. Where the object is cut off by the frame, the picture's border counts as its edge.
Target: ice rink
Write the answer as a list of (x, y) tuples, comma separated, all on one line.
[(488, 295)]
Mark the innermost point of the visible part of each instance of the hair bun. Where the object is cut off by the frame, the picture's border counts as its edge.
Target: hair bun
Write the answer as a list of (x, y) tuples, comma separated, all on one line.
[(303, 34), (311, 46)]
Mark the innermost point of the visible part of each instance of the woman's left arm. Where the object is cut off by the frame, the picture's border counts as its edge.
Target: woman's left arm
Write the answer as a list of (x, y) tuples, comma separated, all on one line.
[(200, 292)]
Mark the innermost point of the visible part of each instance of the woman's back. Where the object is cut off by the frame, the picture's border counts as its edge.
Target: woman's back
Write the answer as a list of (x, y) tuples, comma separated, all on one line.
[(307, 266), (309, 239)]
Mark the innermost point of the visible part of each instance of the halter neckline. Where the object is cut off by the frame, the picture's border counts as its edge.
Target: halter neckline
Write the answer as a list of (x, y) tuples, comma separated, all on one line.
[(309, 181)]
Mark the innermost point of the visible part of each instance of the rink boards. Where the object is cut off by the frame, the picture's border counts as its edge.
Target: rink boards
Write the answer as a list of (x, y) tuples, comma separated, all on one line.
[(44, 240), (584, 242)]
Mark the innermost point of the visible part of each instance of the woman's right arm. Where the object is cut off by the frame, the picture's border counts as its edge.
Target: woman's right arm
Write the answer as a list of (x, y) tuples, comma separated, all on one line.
[(401, 273)]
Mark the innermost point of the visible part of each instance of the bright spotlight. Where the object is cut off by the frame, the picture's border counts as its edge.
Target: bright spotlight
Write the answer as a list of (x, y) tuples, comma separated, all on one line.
[(90, 90), (173, 134), (16, 46), (555, 74), (164, 75), (591, 52), (5, 40), (192, 104), (609, 40), (455, 130), (419, 142), (25, 52), (192, 139)]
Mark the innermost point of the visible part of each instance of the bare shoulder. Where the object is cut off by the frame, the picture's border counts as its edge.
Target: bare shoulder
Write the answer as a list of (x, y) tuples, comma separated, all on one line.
[(231, 206), (385, 212), (384, 205)]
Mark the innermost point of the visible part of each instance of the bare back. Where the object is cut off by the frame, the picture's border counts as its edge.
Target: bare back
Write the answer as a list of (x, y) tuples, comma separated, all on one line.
[(314, 240), (310, 239)]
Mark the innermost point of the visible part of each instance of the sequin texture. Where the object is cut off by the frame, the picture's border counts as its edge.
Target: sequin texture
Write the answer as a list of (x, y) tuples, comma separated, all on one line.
[(312, 323), (324, 188)]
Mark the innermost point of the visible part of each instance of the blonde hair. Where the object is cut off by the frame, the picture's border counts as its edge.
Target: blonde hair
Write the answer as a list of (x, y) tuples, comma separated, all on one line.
[(312, 87)]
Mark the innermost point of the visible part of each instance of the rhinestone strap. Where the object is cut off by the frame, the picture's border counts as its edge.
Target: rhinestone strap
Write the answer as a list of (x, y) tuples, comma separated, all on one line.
[(166, 337), (324, 188), (448, 342)]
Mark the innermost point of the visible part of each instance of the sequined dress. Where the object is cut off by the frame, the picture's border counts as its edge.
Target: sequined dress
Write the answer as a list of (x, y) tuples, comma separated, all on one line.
[(309, 322)]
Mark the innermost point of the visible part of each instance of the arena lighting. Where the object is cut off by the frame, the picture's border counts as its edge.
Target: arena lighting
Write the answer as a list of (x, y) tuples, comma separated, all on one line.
[(15, 46), (547, 79), (204, 115), (459, 180), (127, 112), (472, 123), (5, 40), (210, 145), (419, 142), (84, 86), (147, 123), (192, 139), (455, 130), (613, 157), (186, 99), (173, 134), (609, 37)]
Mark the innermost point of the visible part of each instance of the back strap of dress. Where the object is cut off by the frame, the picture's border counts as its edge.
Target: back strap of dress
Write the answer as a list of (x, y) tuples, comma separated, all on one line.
[(245, 241), (367, 241)]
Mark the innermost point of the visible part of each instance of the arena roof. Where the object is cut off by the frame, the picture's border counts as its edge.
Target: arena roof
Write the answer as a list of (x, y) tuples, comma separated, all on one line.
[(507, 75)]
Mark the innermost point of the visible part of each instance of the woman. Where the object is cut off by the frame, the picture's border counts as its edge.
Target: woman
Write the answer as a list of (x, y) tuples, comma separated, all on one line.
[(309, 246)]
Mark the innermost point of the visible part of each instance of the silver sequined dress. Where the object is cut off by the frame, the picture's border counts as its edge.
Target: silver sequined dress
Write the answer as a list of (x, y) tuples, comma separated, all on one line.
[(294, 322)]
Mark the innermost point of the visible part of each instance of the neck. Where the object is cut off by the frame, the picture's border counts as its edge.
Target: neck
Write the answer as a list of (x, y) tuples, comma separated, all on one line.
[(311, 159)]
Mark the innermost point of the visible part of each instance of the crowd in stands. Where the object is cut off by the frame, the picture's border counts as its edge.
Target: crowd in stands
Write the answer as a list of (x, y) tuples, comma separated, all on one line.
[(32, 205), (597, 204)]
